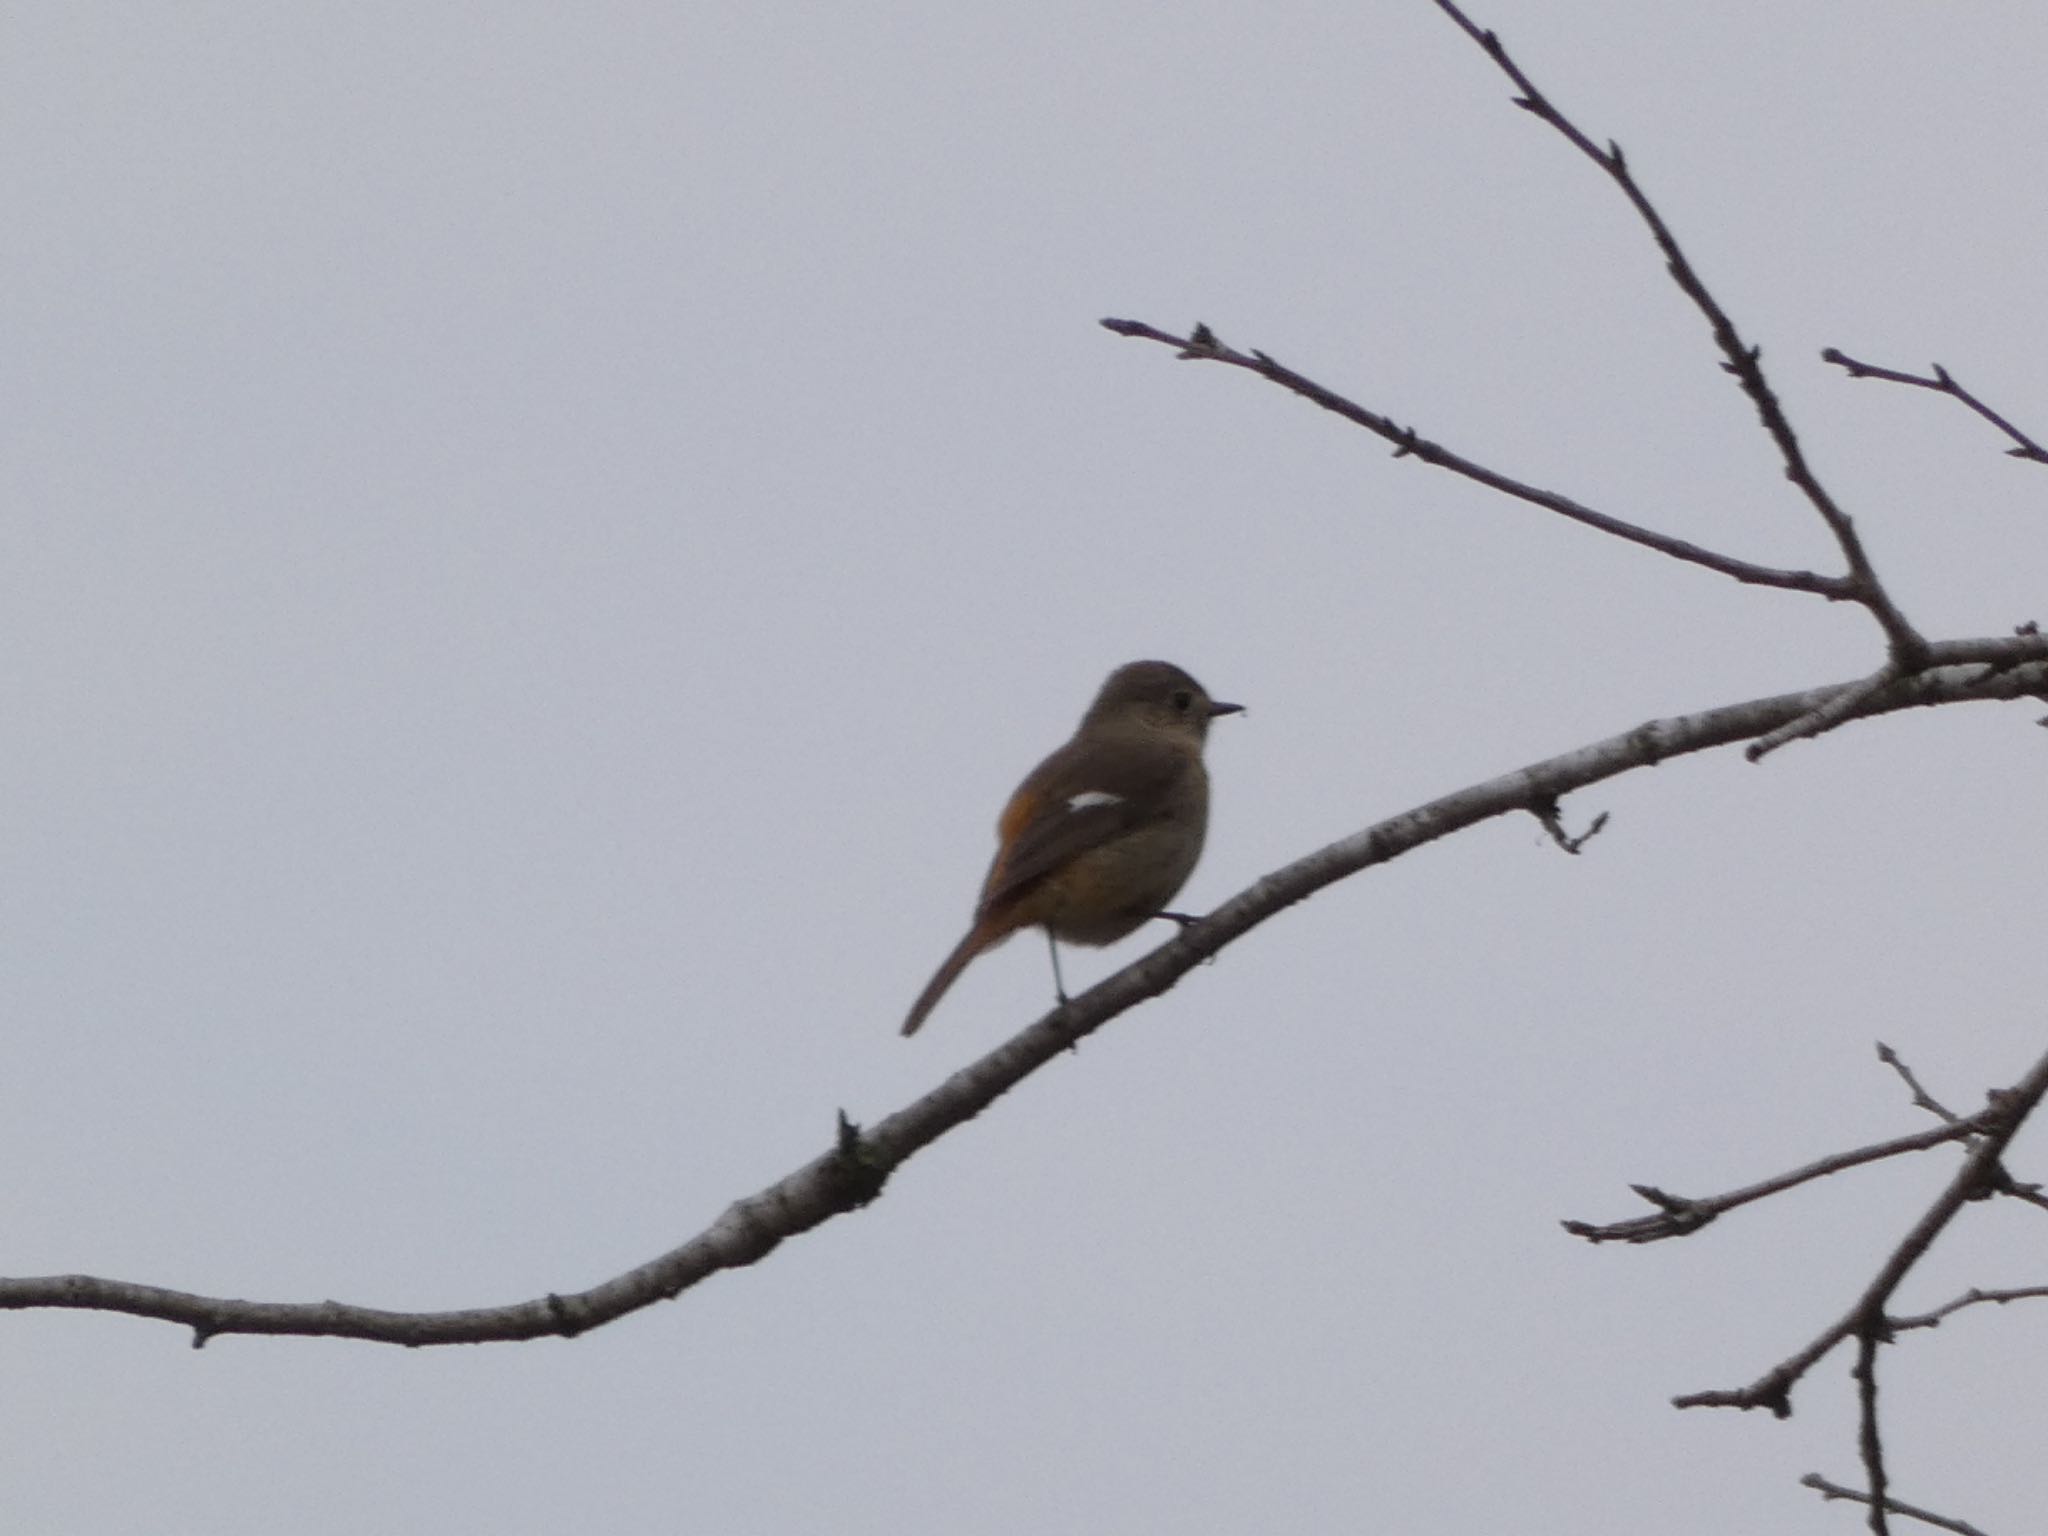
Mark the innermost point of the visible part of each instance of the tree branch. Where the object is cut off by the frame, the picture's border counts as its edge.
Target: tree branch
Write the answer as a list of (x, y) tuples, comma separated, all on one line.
[(1869, 1442), (853, 1171), (1742, 359), (1828, 1490), (1202, 345), (1773, 1390), (1922, 1099), (1941, 382), (1970, 1298), (2002, 1181), (1681, 1215), (1819, 722)]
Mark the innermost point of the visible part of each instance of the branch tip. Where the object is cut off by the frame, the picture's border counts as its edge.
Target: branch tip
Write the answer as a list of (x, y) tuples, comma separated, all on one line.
[(1942, 382)]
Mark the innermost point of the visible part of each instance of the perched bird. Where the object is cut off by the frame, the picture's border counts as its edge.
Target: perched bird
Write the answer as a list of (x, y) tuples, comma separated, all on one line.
[(1102, 834)]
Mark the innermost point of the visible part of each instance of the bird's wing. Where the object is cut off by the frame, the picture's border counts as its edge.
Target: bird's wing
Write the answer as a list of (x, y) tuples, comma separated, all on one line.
[(1077, 799)]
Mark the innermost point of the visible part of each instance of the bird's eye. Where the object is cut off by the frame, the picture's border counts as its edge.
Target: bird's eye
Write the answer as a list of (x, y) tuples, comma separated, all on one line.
[(1182, 700)]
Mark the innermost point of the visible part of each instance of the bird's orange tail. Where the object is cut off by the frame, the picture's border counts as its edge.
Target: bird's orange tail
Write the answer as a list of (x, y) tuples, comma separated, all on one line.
[(979, 937)]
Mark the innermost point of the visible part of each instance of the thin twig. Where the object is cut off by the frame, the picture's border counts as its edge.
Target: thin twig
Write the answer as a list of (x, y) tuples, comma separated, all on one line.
[(1943, 383), (1824, 719), (1828, 1490), (1202, 345), (1922, 1099), (1681, 1215), (1970, 1298), (1742, 359)]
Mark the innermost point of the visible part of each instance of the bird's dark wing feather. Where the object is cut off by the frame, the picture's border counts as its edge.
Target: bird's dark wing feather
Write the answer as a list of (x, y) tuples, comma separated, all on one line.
[(1076, 800)]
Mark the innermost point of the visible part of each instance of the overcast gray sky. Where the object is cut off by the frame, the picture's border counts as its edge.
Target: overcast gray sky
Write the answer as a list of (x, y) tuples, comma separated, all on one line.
[(537, 538)]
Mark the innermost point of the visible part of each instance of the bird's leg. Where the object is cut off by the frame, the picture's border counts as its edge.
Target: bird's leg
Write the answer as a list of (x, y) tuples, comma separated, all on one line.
[(1059, 986)]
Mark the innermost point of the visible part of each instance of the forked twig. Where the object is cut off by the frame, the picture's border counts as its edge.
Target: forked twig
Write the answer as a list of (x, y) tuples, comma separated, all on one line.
[(1908, 650), (2007, 1111), (1550, 815), (1742, 359)]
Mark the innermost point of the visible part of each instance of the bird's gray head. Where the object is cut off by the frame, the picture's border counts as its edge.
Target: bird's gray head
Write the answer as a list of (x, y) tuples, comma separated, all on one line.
[(1158, 694)]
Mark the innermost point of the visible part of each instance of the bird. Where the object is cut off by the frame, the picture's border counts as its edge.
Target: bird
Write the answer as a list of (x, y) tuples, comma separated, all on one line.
[(1101, 835)]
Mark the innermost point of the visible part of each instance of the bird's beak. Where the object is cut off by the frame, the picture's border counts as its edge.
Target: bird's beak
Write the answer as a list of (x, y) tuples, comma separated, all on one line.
[(1216, 709)]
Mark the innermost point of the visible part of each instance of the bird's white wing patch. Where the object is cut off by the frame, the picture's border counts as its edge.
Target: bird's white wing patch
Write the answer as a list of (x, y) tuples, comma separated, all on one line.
[(1090, 798)]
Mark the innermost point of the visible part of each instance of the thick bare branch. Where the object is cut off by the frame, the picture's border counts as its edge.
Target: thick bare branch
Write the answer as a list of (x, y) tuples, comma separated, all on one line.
[(1741, 358), (853, 1171), (1941, 382)]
